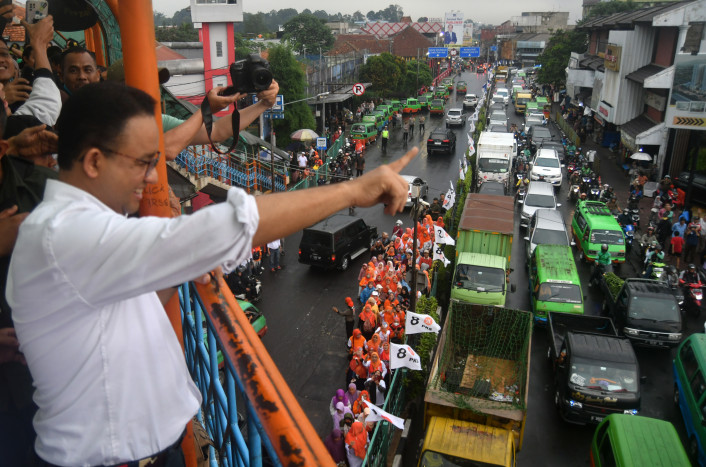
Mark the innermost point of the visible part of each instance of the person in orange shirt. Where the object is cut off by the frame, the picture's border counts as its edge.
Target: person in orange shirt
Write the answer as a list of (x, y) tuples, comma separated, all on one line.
[(397, 331), (374, 364), (368, 322), (356, 341), (374, 344), (357, 373), (356, 444), (358, 405)]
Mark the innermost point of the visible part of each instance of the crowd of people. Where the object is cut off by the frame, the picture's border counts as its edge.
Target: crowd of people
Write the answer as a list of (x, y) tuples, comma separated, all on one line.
[(383, 301), (91, 372)]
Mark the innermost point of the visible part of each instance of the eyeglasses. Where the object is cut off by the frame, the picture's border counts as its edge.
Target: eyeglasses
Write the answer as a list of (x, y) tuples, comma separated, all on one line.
[(148, 165)]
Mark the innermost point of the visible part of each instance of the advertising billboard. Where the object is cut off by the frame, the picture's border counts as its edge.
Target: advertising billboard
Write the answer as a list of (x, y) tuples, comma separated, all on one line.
[(687, 98), (453, 28)]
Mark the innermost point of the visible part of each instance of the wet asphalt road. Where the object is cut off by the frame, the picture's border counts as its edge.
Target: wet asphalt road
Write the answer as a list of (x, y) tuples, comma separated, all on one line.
[(307, 339)]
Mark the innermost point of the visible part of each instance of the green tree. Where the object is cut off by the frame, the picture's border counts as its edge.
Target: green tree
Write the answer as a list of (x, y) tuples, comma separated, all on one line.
[(292, 85), (160, 19), (182, 16), (555, 57), (243, 47), (393, 13), (417, 74), (386, 72), (254, 23), (307, 32), (358, 16), (182, 33)]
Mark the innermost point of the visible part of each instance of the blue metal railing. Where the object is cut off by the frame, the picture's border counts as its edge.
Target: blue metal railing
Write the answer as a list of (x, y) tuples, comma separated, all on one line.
[(226, 413)]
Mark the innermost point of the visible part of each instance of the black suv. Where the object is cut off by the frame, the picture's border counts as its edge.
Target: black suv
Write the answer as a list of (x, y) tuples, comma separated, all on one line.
[(335, 241), (441, 139)]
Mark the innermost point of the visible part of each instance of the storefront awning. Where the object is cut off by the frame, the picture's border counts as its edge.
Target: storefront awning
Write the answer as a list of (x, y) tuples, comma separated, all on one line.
[(641, 131), (653, 136), (641, 74)]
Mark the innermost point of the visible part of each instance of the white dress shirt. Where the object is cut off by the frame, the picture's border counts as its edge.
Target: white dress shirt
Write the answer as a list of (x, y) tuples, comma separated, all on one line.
[(110, 376)]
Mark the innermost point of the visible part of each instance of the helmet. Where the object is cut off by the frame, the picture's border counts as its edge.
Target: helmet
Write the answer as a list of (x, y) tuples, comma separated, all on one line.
[(667, 176), (399, 222), (604, 247), (240, 268), (650, 228), (658, 246), (692, 266)]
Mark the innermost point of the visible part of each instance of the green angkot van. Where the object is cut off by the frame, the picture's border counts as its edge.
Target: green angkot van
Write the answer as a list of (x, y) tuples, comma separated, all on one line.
[(395, 106), (593, 225), (554, 282), (690, 393), (623, 440), (436, 107), (376, 119), (365, 131), (411, 106)]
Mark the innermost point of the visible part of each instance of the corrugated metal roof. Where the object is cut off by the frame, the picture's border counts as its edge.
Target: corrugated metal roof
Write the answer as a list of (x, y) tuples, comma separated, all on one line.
[(489, 212), (641, 74), (637, 125), (593, 62), (627, 19)]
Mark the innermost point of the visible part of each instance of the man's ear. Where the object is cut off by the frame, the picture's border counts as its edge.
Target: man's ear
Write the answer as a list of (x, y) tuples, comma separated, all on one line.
[(92, 163)]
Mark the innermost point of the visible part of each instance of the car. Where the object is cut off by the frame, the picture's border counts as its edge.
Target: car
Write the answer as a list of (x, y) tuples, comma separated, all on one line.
[(424, 102), (423, 190), (698, 185), (492, 187), (411, 106), (496, 106), (498, 117), (441, 140), (540, 195), (497, 128), (335, 241), (546, 166), (461, 87), (441, 93), (501, 95), (455, 117), (436, 107), (536, 135), (546, 227), (470, 101), (557, 146), (533, 120)]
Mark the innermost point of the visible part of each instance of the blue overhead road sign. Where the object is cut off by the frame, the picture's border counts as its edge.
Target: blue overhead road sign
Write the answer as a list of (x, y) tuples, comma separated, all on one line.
[(493, 48), (438, 52), (470, 51)]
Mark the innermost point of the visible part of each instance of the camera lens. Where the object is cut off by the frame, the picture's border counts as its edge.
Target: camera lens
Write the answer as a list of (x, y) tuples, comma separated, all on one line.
[(261, 78)]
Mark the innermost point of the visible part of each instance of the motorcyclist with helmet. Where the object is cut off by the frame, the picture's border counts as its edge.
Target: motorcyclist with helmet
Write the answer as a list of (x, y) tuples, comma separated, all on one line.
[(653, 256), (689, 276), (604, 260), (624, 218), (648, 238)]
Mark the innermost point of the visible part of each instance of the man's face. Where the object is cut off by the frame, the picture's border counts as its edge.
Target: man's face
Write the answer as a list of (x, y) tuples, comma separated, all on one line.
[(123, 173), (79, 69), (7, 67)]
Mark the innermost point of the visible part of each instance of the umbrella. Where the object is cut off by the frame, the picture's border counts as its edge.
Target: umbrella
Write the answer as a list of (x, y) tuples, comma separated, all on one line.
[(304, 134), (641, 156)]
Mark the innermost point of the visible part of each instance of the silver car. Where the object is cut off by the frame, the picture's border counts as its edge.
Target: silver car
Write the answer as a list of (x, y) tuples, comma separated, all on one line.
[(455, 117), (546, 227), (540, 195)]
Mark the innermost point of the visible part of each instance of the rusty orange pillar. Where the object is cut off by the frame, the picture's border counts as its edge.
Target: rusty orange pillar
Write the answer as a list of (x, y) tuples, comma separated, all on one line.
[(140, 62), (97, 34)]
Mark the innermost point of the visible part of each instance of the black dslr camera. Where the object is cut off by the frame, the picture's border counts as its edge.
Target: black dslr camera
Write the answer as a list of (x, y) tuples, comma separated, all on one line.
[(251, 74)]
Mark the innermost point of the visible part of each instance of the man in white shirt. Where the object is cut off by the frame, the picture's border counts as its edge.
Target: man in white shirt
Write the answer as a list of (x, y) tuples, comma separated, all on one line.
[(111, 382)]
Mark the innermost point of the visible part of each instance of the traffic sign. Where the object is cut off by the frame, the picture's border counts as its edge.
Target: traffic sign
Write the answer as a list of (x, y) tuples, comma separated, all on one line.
[(279, 104), (358, 89), (453, 52), (438, 52), (470, 51), (320, 143), (493, 48)]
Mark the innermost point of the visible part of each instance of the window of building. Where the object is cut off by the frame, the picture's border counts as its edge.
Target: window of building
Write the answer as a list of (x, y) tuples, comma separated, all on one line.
[(219, 49)]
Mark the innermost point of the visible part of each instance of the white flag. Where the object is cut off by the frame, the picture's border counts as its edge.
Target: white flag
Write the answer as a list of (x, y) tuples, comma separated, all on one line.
[(416, 323), (450, 196), (472, 128), (377, 414), (404, 356), (471, 147), (439, 254), (461, 172), (440, 236)]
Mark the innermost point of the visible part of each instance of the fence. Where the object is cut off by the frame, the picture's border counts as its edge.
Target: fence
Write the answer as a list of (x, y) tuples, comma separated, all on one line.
[(382, 435), (566, 128), (232, 169)]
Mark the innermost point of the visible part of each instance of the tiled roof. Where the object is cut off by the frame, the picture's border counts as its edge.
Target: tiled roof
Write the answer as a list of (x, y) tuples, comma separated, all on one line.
[(165, 53), (15, 32), (346, 43), (410, 43), (593, 62)]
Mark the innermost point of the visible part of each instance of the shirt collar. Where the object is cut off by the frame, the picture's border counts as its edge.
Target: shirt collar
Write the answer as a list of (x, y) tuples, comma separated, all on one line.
[(57, 190)]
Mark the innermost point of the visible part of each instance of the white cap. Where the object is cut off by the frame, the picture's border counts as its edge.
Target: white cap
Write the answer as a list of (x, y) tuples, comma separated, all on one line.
[(399, 222), (375, 292)]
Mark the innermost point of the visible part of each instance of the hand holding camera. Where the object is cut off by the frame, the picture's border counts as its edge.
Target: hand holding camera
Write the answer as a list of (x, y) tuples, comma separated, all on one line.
[(253, 75)]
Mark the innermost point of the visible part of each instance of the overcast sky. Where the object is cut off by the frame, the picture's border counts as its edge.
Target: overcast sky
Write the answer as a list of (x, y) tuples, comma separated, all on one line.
[(481, 11)]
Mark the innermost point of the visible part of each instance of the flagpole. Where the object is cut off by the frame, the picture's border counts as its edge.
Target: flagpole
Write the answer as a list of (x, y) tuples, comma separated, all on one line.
[(415, 194)]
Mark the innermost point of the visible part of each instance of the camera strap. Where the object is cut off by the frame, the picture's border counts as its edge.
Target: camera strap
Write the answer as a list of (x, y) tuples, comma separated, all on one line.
[(207, 116)]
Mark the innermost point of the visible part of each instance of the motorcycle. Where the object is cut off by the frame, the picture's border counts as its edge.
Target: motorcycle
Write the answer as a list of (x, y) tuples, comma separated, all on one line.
[(671, 277), (693, 294), (629, 232), (634, 210), (594, 193), (574, 193), (657, 270)]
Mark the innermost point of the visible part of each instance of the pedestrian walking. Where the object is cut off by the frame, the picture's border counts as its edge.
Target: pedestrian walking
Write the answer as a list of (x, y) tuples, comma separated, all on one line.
[(274, 246), (405, 130), (349, 314), (385, 136), (359, 164), (421, 125), (412, 122)]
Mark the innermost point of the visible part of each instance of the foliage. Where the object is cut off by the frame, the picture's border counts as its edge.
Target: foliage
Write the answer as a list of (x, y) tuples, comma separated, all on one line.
[(386, 72), (243, 47), (424, 345), (392, 13), (608, 8), (556, 55), (614, 283), (414, 79), (292, 84), (307, 32), (182, 17), (182, 33)]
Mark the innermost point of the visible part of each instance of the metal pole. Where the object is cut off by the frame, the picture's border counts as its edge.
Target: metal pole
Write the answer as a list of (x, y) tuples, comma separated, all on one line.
[(272, 155)]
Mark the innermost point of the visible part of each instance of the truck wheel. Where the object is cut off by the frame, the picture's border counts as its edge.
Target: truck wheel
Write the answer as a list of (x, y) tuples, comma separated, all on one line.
[(675, 399), (345, 263)]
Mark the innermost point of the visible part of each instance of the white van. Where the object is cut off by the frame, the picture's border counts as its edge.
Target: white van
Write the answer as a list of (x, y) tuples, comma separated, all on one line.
[(540, 195)]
